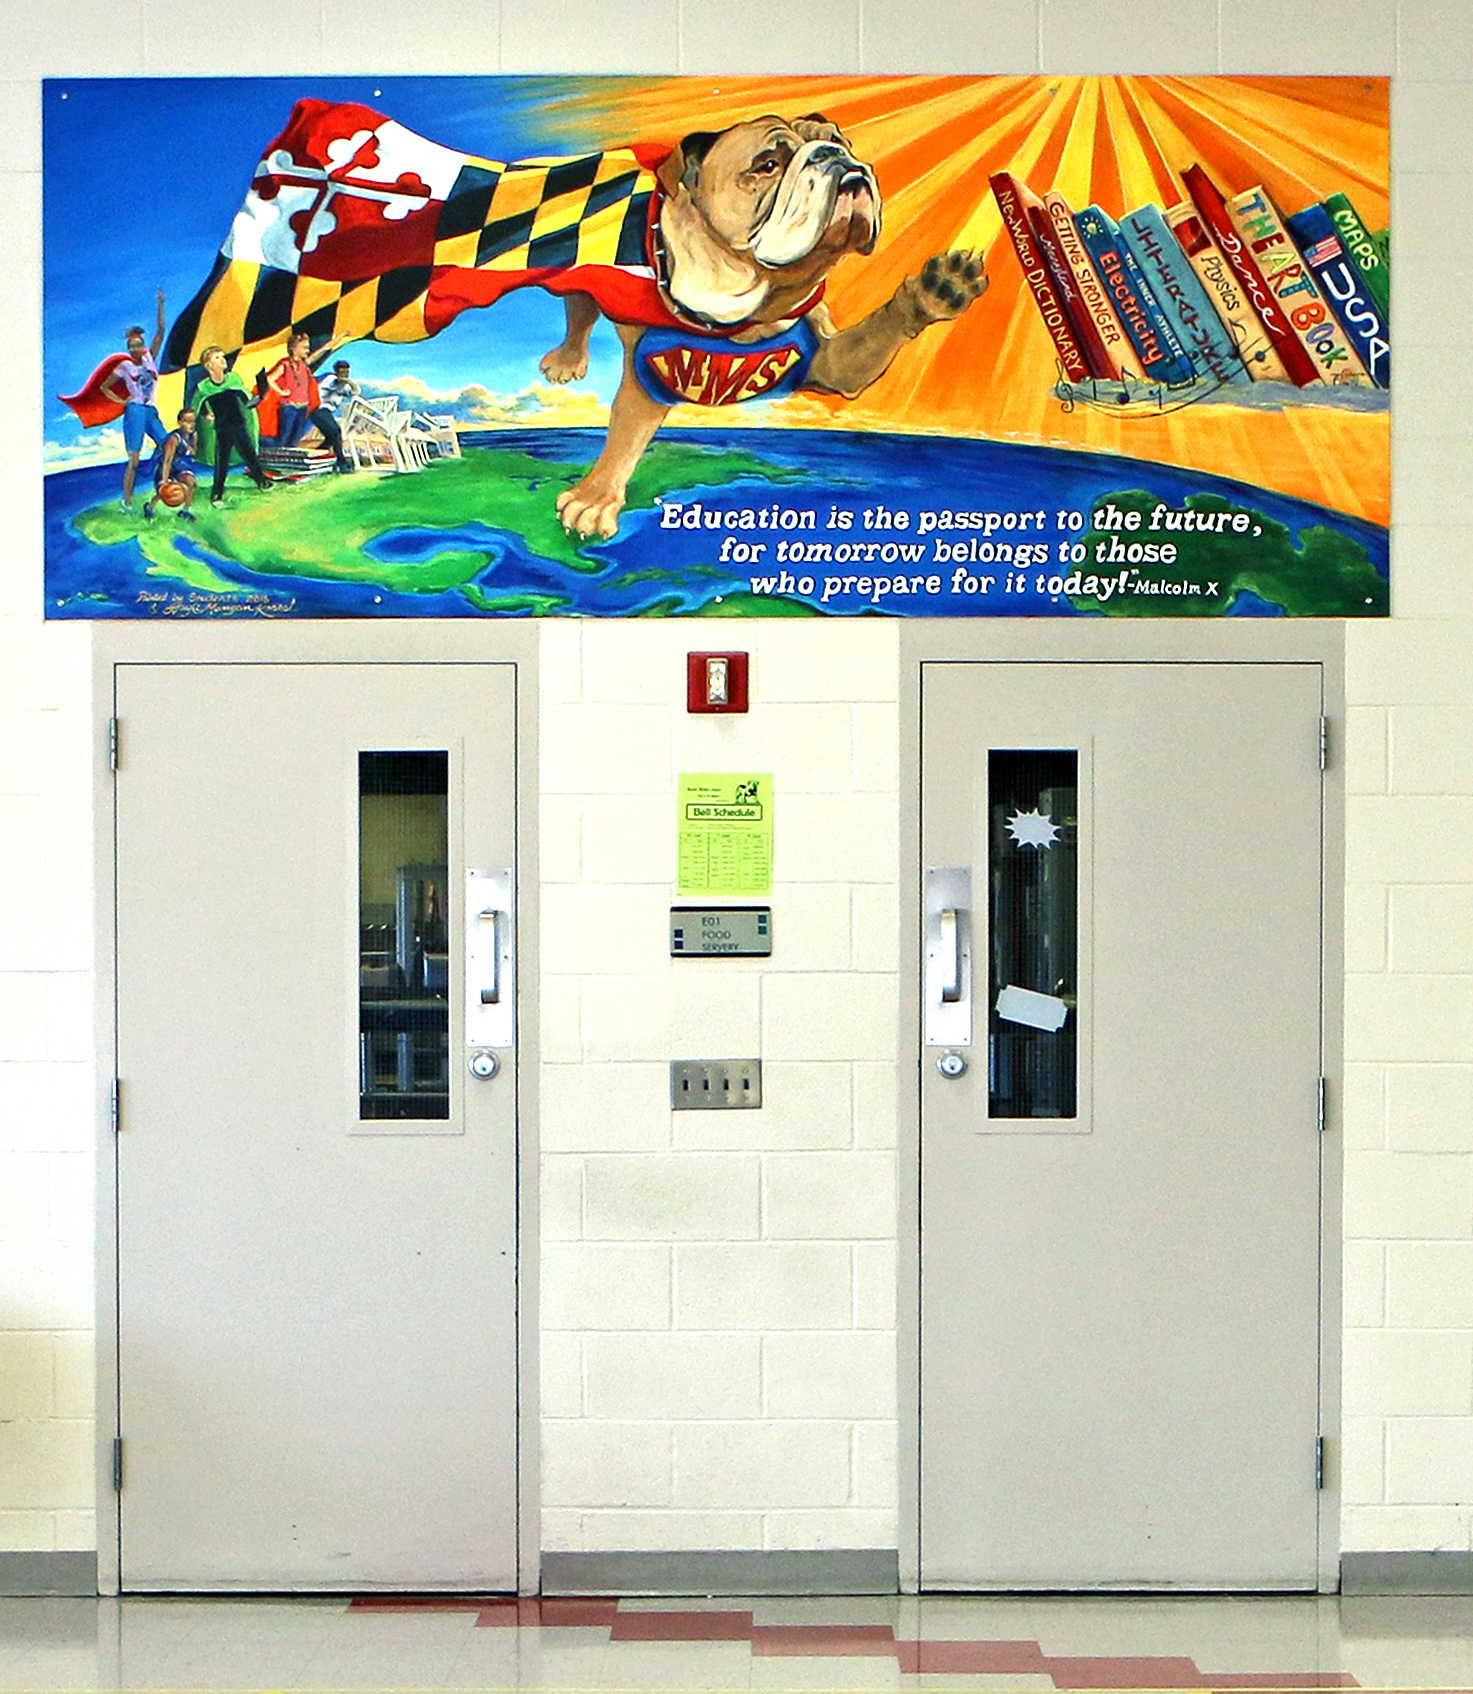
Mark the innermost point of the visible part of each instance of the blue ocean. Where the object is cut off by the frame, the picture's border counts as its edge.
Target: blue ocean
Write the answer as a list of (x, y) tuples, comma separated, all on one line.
[(944, 523)]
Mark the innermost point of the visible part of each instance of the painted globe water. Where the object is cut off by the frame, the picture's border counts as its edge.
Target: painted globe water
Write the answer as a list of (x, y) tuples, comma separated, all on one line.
[(777, 522)]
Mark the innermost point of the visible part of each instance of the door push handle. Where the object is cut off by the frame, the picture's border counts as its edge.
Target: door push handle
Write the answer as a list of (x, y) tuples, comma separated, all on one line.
[(490, 959), (490, 951), (948, 961), (951, 956)]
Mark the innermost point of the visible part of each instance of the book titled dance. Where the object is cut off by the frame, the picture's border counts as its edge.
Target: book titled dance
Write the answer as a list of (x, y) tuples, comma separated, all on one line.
[(1207, 198), (1222, 288)]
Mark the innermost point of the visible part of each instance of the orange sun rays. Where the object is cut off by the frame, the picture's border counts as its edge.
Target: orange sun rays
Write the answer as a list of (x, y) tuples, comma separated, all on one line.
[(1112, 141)]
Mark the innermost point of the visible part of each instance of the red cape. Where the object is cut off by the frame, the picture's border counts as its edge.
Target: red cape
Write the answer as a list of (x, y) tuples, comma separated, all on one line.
[(268, 412), (90, 404)]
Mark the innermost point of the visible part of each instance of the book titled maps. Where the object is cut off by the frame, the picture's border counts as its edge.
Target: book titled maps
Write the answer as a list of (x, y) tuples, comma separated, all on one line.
[(1347, 288), (1219, 289)]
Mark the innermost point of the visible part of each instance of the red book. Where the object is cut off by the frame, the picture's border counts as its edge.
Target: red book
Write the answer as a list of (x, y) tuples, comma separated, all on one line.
[(1086, 336), (1209, 202), (1051, 308)]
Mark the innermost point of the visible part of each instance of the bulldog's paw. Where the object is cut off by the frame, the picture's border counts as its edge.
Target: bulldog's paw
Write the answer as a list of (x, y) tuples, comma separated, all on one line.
[(590, 509), (947, 285), (564, 363)]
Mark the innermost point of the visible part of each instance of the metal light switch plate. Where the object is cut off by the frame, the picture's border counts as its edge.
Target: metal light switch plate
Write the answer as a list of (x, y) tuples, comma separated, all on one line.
[(705, 1085)]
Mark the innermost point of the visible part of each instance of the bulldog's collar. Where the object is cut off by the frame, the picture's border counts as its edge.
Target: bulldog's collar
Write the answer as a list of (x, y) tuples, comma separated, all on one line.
[(700, 321)]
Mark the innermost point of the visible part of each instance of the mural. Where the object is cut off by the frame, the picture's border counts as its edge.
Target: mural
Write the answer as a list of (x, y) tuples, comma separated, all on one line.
[(899, 346)]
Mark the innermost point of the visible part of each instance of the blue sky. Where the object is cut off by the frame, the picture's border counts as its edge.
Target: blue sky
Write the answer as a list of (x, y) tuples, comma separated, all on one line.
[(185, 150)]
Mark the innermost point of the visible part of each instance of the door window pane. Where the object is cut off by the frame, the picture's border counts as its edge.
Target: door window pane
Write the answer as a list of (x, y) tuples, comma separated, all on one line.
[(403, 958), (1033, 933)]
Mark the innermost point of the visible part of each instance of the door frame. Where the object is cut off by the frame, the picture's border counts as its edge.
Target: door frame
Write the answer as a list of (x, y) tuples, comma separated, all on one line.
[(391, 641), (1121, 641)]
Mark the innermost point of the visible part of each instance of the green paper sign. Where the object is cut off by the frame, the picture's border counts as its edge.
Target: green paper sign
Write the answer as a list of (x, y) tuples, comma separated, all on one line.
[(725, 833)]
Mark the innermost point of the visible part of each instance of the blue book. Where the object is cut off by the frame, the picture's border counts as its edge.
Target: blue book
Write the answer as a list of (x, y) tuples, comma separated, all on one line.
[(1343, 284), (1162, 356), (1181, 296)]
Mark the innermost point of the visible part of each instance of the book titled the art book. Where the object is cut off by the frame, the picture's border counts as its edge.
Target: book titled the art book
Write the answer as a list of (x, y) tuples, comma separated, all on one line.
[(1294, 287)]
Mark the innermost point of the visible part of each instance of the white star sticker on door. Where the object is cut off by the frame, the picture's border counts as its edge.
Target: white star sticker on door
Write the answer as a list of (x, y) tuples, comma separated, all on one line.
[(1033, 829)]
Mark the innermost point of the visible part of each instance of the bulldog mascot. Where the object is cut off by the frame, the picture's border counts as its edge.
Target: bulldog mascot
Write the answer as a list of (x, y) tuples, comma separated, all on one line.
[(750, 223), (710, 260)]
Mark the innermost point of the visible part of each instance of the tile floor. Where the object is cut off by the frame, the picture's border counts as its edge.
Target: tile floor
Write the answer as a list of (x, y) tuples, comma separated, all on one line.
[(276, 1646)]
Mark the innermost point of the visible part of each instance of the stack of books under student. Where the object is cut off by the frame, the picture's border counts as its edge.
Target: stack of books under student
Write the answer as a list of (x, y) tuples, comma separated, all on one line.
[(1170, 304)]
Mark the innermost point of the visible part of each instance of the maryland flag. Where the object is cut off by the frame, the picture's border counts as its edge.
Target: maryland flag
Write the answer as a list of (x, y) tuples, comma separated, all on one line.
[(356, 227)]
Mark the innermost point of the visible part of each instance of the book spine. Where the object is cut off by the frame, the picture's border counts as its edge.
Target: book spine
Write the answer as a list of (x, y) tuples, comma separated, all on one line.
[(1086, 336), (1367, 256), (1221, 287), (1293, 284), (1207, 198), (1035, 273), (1179, 294), (1123, 359), (1343, 286), (1161, 354)]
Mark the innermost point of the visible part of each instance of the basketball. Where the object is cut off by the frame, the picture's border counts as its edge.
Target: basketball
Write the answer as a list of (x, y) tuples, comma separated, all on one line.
[(173, 493)]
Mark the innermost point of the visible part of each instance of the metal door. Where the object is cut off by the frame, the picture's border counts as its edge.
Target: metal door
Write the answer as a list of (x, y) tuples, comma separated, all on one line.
[(317, 1217), (1120, 1161)]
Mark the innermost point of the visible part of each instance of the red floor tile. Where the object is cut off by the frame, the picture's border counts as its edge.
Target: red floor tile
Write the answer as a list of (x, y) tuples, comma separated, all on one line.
[(836, 1640), (971, 1658), (682, 1626), (510, 1613), (1124, 1673)]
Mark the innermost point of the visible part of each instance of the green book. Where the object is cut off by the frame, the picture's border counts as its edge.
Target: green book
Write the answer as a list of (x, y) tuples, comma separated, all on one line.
[(1369, 259)]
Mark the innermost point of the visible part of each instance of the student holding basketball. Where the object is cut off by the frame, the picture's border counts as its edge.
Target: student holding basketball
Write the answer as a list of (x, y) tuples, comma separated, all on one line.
[(173, 468)]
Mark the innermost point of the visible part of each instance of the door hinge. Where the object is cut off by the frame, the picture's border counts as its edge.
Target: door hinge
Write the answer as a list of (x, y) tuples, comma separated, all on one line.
[(112, 744), (1319, 1462), (1320, 1109), (117, 1464), (1324, 744), (117, 1105)]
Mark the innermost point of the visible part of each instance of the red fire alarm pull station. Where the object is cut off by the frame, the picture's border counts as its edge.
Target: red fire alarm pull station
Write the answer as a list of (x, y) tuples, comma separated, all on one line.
[(716, 682)]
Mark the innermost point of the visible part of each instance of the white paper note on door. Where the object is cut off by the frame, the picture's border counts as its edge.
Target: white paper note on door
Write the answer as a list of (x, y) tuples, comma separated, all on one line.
[(1038, 1011)]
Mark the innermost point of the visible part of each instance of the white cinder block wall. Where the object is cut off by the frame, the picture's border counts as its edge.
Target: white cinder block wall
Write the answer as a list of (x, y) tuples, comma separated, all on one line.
[(719, 1298), (718, 1287)]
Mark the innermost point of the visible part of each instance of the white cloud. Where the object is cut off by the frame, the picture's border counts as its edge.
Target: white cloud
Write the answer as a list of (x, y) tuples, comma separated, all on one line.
[(478, 407), (97, 447)]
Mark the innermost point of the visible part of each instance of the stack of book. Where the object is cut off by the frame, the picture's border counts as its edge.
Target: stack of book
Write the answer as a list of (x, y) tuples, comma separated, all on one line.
[(294, 463), (1213, 291)]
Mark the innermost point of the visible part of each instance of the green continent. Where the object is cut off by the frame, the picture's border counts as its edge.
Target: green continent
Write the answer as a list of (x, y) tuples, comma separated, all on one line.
[(322, 528), (1325, 575)]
